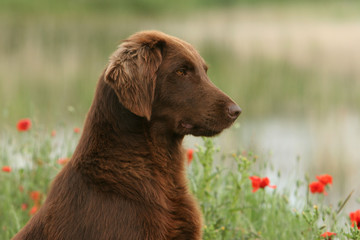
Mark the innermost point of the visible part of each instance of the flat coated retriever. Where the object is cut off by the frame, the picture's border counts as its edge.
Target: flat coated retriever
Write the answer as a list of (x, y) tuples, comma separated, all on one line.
[(126, 179)]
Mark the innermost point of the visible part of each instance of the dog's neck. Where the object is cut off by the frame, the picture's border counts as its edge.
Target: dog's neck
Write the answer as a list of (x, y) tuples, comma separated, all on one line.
[(114, 127)]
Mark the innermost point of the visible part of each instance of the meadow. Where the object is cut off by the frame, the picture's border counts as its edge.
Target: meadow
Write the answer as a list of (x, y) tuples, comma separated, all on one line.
[(291, 65), (235, 203)]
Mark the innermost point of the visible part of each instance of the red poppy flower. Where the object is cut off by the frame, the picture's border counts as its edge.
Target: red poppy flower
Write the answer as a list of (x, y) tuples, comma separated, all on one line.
[(317, 187), (327, 235), (265, 182), (23, 125), (24, 206), (355, 218), (6, 169), (62, 161), (35, 195), (190, 155), (255, 181), (53, 133), (325, 179), (258, 182), (76, 130), (33, 210)]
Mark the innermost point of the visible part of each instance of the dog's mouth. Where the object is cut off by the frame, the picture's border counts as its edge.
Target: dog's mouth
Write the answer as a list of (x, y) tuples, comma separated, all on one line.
[(186, 125), (197, 130)]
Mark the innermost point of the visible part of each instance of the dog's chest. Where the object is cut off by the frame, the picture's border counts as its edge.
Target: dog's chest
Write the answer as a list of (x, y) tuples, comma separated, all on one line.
[(186, 218)]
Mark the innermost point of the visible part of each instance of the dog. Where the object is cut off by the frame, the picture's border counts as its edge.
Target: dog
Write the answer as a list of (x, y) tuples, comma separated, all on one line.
[(126, 179)]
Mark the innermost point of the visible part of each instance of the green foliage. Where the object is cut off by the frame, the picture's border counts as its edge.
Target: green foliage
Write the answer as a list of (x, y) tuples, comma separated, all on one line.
[(221, 184), (354, 233), (122, 6), (33, 160), (113, 6), (232, 211), (137, 6)]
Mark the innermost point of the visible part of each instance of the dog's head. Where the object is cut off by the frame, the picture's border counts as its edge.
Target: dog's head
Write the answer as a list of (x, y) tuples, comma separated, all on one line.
[(164, 79)]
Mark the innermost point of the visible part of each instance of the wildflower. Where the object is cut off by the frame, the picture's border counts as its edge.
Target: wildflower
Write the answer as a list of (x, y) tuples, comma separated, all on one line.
[(190, 155), (23, 125), (327, 235), (21, 188), (265, 182), (6, 169), (258, 182), (325, 179), (53, 133), (35, 196), (24, 206), (317, 187), (255, 181), (76, 130), (33, 210), (355, 218), (62, 161)]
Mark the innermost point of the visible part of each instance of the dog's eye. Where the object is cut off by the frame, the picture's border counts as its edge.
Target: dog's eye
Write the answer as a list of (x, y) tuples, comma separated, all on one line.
[(181, 72)]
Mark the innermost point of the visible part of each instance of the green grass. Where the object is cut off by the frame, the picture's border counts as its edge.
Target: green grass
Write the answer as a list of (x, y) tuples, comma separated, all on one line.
[(220, 181), (155, 7)]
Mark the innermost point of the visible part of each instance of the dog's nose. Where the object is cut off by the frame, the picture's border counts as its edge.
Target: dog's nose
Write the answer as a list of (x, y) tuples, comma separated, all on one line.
[(234, 111)]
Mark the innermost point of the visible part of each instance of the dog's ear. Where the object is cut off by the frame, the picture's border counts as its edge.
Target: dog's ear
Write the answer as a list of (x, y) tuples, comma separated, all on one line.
[(131, 72)]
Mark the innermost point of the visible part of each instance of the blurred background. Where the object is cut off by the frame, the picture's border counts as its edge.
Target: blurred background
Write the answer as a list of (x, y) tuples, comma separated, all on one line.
[(293, 67)]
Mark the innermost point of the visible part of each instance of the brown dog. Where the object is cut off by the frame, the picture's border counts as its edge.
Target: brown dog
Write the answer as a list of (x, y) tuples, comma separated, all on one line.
[(126, 179)]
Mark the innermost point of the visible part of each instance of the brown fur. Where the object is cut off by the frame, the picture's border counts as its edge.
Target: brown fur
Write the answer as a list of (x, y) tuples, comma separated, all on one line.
[(126, 179)]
